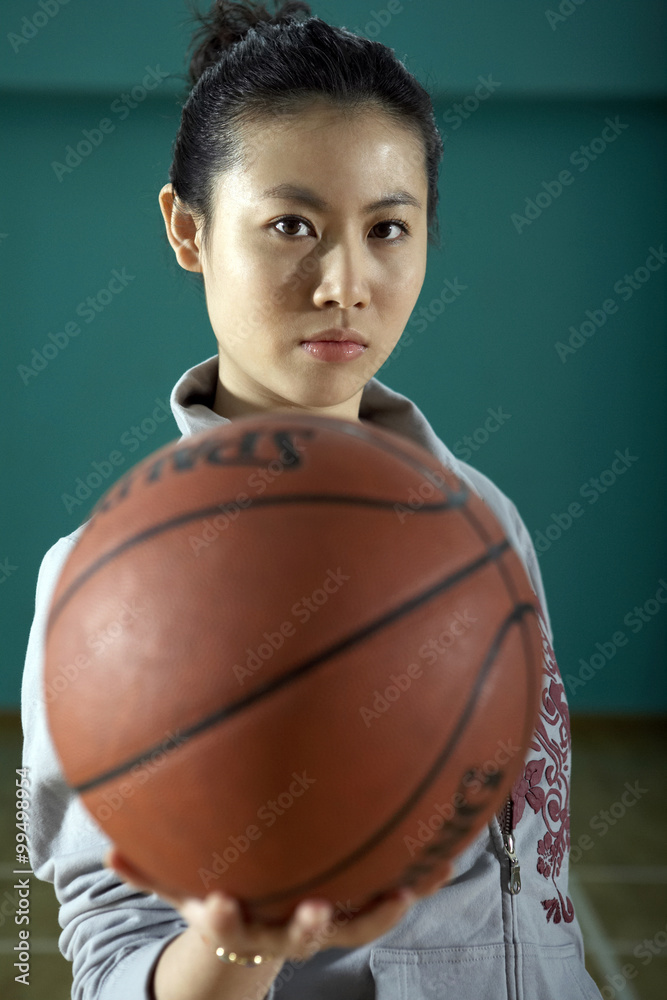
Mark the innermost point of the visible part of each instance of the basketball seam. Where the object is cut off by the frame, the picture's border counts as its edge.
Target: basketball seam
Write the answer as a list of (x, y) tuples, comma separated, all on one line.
[(454, 500), (512, 594), (491, 555), (517, 614), (202, 512)]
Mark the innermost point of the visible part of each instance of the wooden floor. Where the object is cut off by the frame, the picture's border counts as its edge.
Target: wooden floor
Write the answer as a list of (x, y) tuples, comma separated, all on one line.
[(618, 870)]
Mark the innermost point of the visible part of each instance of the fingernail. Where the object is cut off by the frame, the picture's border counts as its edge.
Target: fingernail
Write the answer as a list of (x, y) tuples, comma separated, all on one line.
[(193, 910), (310, 913), (407, 896), (223, 902)]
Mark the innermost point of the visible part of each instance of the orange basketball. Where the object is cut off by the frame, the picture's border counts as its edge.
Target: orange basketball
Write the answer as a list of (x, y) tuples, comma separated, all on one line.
[(292, 657)]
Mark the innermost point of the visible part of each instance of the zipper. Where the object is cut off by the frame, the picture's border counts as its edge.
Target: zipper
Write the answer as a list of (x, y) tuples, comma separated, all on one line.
[(505, 820)]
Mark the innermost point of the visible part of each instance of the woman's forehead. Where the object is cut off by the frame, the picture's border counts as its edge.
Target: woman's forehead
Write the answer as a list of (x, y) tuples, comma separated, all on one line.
[(321, 151)]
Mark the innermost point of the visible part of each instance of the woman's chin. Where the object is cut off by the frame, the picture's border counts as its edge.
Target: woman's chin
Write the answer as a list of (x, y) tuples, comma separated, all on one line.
[(343, 403)]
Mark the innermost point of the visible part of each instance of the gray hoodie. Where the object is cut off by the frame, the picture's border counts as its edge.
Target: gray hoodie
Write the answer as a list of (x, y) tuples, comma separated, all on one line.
[(474, 939)]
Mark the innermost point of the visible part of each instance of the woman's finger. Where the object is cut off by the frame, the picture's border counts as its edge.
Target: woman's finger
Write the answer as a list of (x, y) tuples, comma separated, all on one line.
[(366, 927)]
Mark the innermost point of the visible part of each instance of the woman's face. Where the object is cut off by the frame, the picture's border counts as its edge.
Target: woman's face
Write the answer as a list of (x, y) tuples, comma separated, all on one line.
[(279, 268)]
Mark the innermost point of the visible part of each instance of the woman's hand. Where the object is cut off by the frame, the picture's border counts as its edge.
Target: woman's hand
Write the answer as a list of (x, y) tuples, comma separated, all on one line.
[(219, 921)]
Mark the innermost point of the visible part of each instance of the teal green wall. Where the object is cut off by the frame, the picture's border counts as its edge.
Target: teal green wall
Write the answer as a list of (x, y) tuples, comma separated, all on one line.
[(492, 347)]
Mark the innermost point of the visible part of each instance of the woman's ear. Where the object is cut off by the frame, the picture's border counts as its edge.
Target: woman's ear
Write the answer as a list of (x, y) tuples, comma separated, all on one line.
[(181, 230)]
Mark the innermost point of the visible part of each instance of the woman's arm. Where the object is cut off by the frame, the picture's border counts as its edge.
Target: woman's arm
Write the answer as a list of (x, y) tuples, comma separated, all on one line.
[(111, 934), (188, 969)]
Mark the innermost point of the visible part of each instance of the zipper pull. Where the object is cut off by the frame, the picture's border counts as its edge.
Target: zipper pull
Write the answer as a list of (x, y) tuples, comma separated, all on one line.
[(515, 869)]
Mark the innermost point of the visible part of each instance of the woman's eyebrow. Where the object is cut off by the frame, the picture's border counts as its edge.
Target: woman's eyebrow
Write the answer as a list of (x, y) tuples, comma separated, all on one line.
[(307, 197)]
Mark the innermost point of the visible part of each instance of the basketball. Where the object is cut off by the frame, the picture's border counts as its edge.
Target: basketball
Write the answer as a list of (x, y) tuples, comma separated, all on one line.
[(292, 657)]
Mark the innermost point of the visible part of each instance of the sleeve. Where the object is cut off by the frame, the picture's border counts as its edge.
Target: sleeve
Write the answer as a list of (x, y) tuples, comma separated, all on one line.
[(529, 555), (112, 934)]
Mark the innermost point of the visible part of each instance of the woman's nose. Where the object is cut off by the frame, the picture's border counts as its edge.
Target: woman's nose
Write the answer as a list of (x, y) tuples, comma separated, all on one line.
[(341, 277)]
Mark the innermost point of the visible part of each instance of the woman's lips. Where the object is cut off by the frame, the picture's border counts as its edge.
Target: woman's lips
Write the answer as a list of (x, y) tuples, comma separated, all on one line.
[(333, 350)]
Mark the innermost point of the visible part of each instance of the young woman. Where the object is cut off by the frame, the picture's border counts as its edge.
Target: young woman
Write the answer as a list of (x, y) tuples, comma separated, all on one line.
[(303, 189)]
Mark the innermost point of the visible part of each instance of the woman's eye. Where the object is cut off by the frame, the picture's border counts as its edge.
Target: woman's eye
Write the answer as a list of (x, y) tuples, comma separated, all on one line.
[(289, 220), (396, 224)]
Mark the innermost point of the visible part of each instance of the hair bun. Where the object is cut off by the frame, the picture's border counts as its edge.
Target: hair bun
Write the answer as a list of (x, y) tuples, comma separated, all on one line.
[(228, 22)]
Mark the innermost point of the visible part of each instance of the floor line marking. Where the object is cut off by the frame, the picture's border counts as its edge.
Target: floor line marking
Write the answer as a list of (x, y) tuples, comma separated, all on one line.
[(596, 939), (38, 946)]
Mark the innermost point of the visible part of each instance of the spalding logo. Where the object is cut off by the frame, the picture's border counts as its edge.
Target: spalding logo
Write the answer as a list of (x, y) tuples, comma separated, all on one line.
[(251, 448)]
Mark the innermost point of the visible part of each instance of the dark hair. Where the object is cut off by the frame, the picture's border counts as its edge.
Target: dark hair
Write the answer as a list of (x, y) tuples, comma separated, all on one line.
[(250, 66)]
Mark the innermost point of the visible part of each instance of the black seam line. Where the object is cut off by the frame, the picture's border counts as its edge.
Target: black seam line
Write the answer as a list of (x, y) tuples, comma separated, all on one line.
[(175, 522), (396, 451), (262, 691), (359, 852), (512, 591), (532, 682)]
